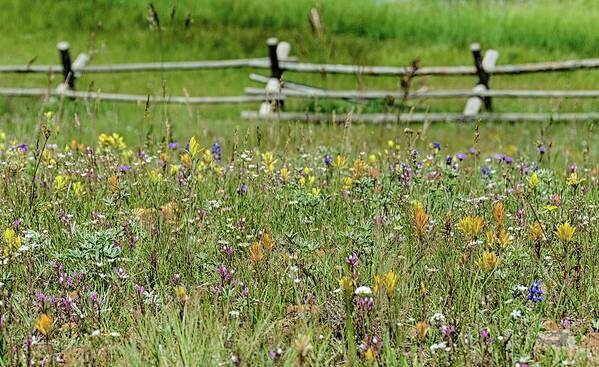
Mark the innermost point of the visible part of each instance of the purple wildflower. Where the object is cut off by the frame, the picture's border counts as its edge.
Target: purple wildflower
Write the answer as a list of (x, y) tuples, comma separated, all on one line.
[(460, 156), (225, 274), (328, 160), (228, 250), (535, 293), (485, 170), (353, 261), (485, 335), (174, 145), (572, 168), (275, 354), (448, 160), (93, 297), (140, 289), (216, 151), (448, 330), (242, 189), (365, 303)]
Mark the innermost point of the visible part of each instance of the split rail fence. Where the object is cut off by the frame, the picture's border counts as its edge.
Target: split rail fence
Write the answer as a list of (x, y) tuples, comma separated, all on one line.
[(276, 89)]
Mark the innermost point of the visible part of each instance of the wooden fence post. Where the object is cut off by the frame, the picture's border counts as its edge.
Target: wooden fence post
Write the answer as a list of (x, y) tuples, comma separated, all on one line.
[(65, 58), (273, 87), (483, 67), (275, 70)]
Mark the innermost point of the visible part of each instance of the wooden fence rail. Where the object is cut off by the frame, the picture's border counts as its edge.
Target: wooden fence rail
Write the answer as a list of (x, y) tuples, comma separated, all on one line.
[(434, 94), (381, 118), (258, 63), (540, 67), (132, 98), (289, 65)]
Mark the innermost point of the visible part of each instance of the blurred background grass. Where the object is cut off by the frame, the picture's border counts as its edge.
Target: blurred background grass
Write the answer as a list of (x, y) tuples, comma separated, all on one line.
[(437, 32)]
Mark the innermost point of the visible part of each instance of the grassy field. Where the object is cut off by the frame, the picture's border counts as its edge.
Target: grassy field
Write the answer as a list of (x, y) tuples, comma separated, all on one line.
[(361, 32), (185, 236)]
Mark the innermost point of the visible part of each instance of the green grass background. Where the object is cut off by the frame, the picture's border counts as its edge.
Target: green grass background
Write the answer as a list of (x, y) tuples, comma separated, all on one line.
[(356, 31)]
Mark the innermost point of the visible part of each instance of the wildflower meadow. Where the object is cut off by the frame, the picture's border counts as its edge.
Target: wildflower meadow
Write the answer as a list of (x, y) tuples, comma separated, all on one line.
[(193, 253), (139, 232)]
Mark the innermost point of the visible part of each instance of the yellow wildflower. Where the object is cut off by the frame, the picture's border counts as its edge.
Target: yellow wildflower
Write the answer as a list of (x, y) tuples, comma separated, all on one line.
[(490, 238), (503, 238), (421, 329), (285, 174), (340, 162), (186, 160), (573, 180), (9, 235), (181, 293), (535, 231), (60, 182), (534, 180), (369, 355), (565, 232), (347, 284), (44, 324), (267, 241), (498, 213), (155, 176), (347, 183), (269, 161), (114, 141), (360, 168), (78, 190), (256, 254), (471, 226), (488, 261), (194, 147), (113, 182), (420, 219), (391, 279)]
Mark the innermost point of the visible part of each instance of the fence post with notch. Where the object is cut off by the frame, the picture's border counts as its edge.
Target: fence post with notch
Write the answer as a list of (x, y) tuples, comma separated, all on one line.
[(273, 87), (484, 67)]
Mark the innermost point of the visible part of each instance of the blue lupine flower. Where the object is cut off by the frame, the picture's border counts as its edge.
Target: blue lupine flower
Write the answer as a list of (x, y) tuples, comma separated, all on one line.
[(23, 148), (328, 160), (535, 293), (242, 189), (448, 160), (436, 146), (216, 151), (485, 170)]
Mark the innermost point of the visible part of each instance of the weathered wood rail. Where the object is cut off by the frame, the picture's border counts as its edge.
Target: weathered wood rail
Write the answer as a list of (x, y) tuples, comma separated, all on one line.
[(131, 98), (434, 94), (380, 118)]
